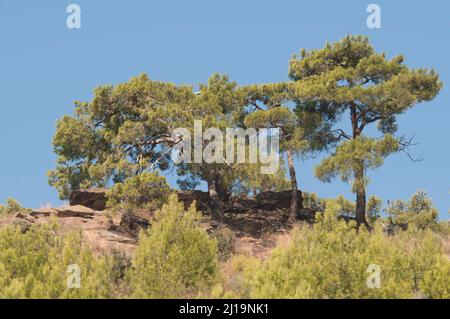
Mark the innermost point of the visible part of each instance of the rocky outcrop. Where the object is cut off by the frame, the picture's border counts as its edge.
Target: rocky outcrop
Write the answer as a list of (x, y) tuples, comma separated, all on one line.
[(101, 232), (65, 211), (133, 222), (255, 221), (265, 213), (188, 197), (263, 201), (45, 212), (94, 198), (76, 211)]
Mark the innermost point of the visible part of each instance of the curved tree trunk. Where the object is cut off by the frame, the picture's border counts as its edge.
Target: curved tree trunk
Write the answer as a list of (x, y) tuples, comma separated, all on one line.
[(294, 187)]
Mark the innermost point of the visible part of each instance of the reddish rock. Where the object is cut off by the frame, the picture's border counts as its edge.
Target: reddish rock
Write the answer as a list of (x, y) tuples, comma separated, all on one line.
[(45, 212), (75, 211), (276, 200), (94, 198)]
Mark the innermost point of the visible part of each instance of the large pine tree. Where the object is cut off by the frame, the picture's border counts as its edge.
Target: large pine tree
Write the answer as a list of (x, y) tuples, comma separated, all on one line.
[(349, 79)]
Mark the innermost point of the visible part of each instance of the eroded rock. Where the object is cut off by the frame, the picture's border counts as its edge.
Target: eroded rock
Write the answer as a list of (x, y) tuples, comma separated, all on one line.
[(75, 211), (94, 198), (45, 212)]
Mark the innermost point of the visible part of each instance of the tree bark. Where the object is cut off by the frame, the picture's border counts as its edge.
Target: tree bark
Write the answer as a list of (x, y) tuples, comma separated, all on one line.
[(294, 187), (360, 199), (359, 174), (222, 192), (215, 199)]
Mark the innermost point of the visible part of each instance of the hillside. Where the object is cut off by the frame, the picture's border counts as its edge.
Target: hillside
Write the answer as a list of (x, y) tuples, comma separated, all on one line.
[(258, 223)]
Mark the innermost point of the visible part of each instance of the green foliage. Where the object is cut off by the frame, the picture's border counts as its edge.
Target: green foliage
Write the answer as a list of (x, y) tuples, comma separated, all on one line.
[(13, 207), (35, 265), (175, 257), (359, 152), (436, 282), (251, 180), (220, 105), (313, 201), (374, 209), (125, 133), (226, 241), (122, 132), (144, 192), (346, 208), (348, 78), (292, 136), (330, 260), (443, 228), (419, 212)]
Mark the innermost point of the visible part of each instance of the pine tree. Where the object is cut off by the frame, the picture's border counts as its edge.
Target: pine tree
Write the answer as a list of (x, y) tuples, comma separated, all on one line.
[(124, 131), (271, 110), (349, 78), (283, 119)]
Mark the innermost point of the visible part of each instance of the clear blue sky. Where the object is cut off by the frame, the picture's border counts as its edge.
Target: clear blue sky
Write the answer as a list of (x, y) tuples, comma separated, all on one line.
[(44, 67)]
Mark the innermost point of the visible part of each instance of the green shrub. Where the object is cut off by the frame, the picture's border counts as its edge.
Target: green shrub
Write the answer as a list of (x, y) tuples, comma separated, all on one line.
[(418, 212), (374, 208), (35, 265), (12, 207), (443, 228), (145, 192), (236, 278), (436, 282), (331, 260), (312, 201), (175, 257), (226, 241), (346, 208)]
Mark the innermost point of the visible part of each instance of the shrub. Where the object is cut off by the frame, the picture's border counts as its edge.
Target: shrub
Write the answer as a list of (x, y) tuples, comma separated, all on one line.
[(374, 208), (175, 257), (12, 207), (226, 240), (236, 278), (418, 212), (331, 260), (35, 265), (346, 208), (145, 192), (312, 201), (436, 282)]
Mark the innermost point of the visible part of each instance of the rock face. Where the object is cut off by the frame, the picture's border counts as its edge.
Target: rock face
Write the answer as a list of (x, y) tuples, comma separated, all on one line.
[(94, 198), (100, 232), (263, 201), (275, 200), (65, 211), (76, 211), (134, 222), (43, 212), (188, 197), (267, 212)]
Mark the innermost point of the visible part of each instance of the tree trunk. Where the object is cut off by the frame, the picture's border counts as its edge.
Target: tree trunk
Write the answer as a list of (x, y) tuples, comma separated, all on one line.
[(294, 187), (359, 174), (215, 200), (360, 199), (222, 192)]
